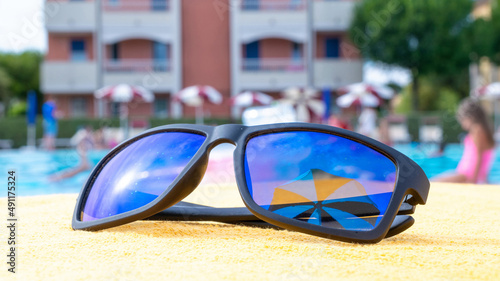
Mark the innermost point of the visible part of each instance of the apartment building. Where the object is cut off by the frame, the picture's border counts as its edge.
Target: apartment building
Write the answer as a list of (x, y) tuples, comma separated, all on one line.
[(166, 45)]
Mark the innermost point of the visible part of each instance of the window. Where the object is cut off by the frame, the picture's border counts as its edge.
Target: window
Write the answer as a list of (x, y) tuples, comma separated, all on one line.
[(332, 47), (159, 5), (160, 60), (252, 54), (78, 50), (252, 50), (251, 4), (114, 52), (296, 52), (161, 107), (78, 107), (115, 109)]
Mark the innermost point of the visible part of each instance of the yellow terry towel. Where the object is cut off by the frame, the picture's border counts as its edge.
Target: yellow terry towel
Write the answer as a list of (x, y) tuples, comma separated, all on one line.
[(456, 237)]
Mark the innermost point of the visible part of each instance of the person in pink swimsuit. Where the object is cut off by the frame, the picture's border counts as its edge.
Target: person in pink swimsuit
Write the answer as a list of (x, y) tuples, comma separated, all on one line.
[(479, 145)]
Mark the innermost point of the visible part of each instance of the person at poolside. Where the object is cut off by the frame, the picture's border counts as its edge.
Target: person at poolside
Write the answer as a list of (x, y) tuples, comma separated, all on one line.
[(49, 124), (479, 145), (84, 141)]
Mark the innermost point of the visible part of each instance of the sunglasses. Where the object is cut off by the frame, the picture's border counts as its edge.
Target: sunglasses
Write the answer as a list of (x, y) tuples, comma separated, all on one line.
[(310, 178)]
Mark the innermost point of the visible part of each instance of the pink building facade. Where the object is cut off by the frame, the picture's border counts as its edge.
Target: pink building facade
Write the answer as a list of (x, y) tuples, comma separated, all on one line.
[(166, 45)]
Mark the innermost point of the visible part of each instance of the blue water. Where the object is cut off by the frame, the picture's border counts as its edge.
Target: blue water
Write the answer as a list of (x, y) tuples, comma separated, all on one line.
[(433, 166), (34, 168)]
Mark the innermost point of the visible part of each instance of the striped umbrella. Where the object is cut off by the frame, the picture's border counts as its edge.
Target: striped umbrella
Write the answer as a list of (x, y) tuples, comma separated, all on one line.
[(196, 96), (382, 92), (249, 98), (358, 95), (306, 101), (124, 93), (489, 91)]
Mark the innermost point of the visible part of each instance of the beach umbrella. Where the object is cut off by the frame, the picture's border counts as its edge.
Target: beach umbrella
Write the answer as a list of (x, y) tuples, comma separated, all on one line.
[(196, 96), (338, 197), (306, 101), (358, 95), (382, 92), (123, 94), (489, 91), (249, 98)]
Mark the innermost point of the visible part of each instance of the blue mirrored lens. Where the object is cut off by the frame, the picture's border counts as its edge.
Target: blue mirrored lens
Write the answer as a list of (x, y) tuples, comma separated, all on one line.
[(319, 178), (139, 173)]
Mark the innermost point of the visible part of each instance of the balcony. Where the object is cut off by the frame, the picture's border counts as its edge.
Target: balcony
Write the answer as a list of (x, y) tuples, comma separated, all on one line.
[(257, 19), (152, 74), (272, 74), (336, 73), (70, 16), (124, 19), (68, 77), (331, 15)]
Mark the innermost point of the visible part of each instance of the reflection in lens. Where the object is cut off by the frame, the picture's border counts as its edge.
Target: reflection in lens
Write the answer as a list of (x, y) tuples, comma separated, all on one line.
[(139, 173), (319, 178)]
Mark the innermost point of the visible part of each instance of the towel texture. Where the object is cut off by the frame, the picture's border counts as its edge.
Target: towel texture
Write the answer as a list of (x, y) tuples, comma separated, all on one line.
[(456, 237)]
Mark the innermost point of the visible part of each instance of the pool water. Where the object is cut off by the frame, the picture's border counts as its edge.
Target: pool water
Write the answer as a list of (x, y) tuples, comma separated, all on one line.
[(34, 168), (422, 154)]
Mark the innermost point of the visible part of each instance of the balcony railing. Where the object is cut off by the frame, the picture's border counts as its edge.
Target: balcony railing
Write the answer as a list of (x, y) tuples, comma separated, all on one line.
[(274, 64), (331, 15), (135, 5), (68, 76), (137, 65), (337, 72), (273, 5)]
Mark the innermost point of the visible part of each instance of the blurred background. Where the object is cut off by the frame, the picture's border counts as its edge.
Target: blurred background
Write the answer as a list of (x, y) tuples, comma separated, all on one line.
[(100, 71)]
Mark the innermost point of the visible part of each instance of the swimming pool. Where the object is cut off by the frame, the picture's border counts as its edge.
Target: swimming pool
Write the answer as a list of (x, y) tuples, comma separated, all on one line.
[(34, 168), (433, 166)]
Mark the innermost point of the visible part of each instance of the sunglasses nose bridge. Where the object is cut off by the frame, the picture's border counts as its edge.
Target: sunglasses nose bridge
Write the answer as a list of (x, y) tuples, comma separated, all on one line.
[(229, 133)]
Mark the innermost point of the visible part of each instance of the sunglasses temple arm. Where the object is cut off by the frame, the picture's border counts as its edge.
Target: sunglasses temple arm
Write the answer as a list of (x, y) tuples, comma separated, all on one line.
[(184, 211)]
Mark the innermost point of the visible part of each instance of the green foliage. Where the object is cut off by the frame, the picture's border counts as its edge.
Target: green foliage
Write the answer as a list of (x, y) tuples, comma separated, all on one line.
[(19, 73), (15, 128), (451, 128), (447, 100), (447, 121), (432, 97), (422, 35), (17, 109), (494, 34), (24, 70), (480, 39), (4, 88), (429, 37), (155, 122)]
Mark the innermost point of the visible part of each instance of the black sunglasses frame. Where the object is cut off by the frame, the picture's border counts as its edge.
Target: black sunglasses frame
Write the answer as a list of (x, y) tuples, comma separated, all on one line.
[(411, 185)]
